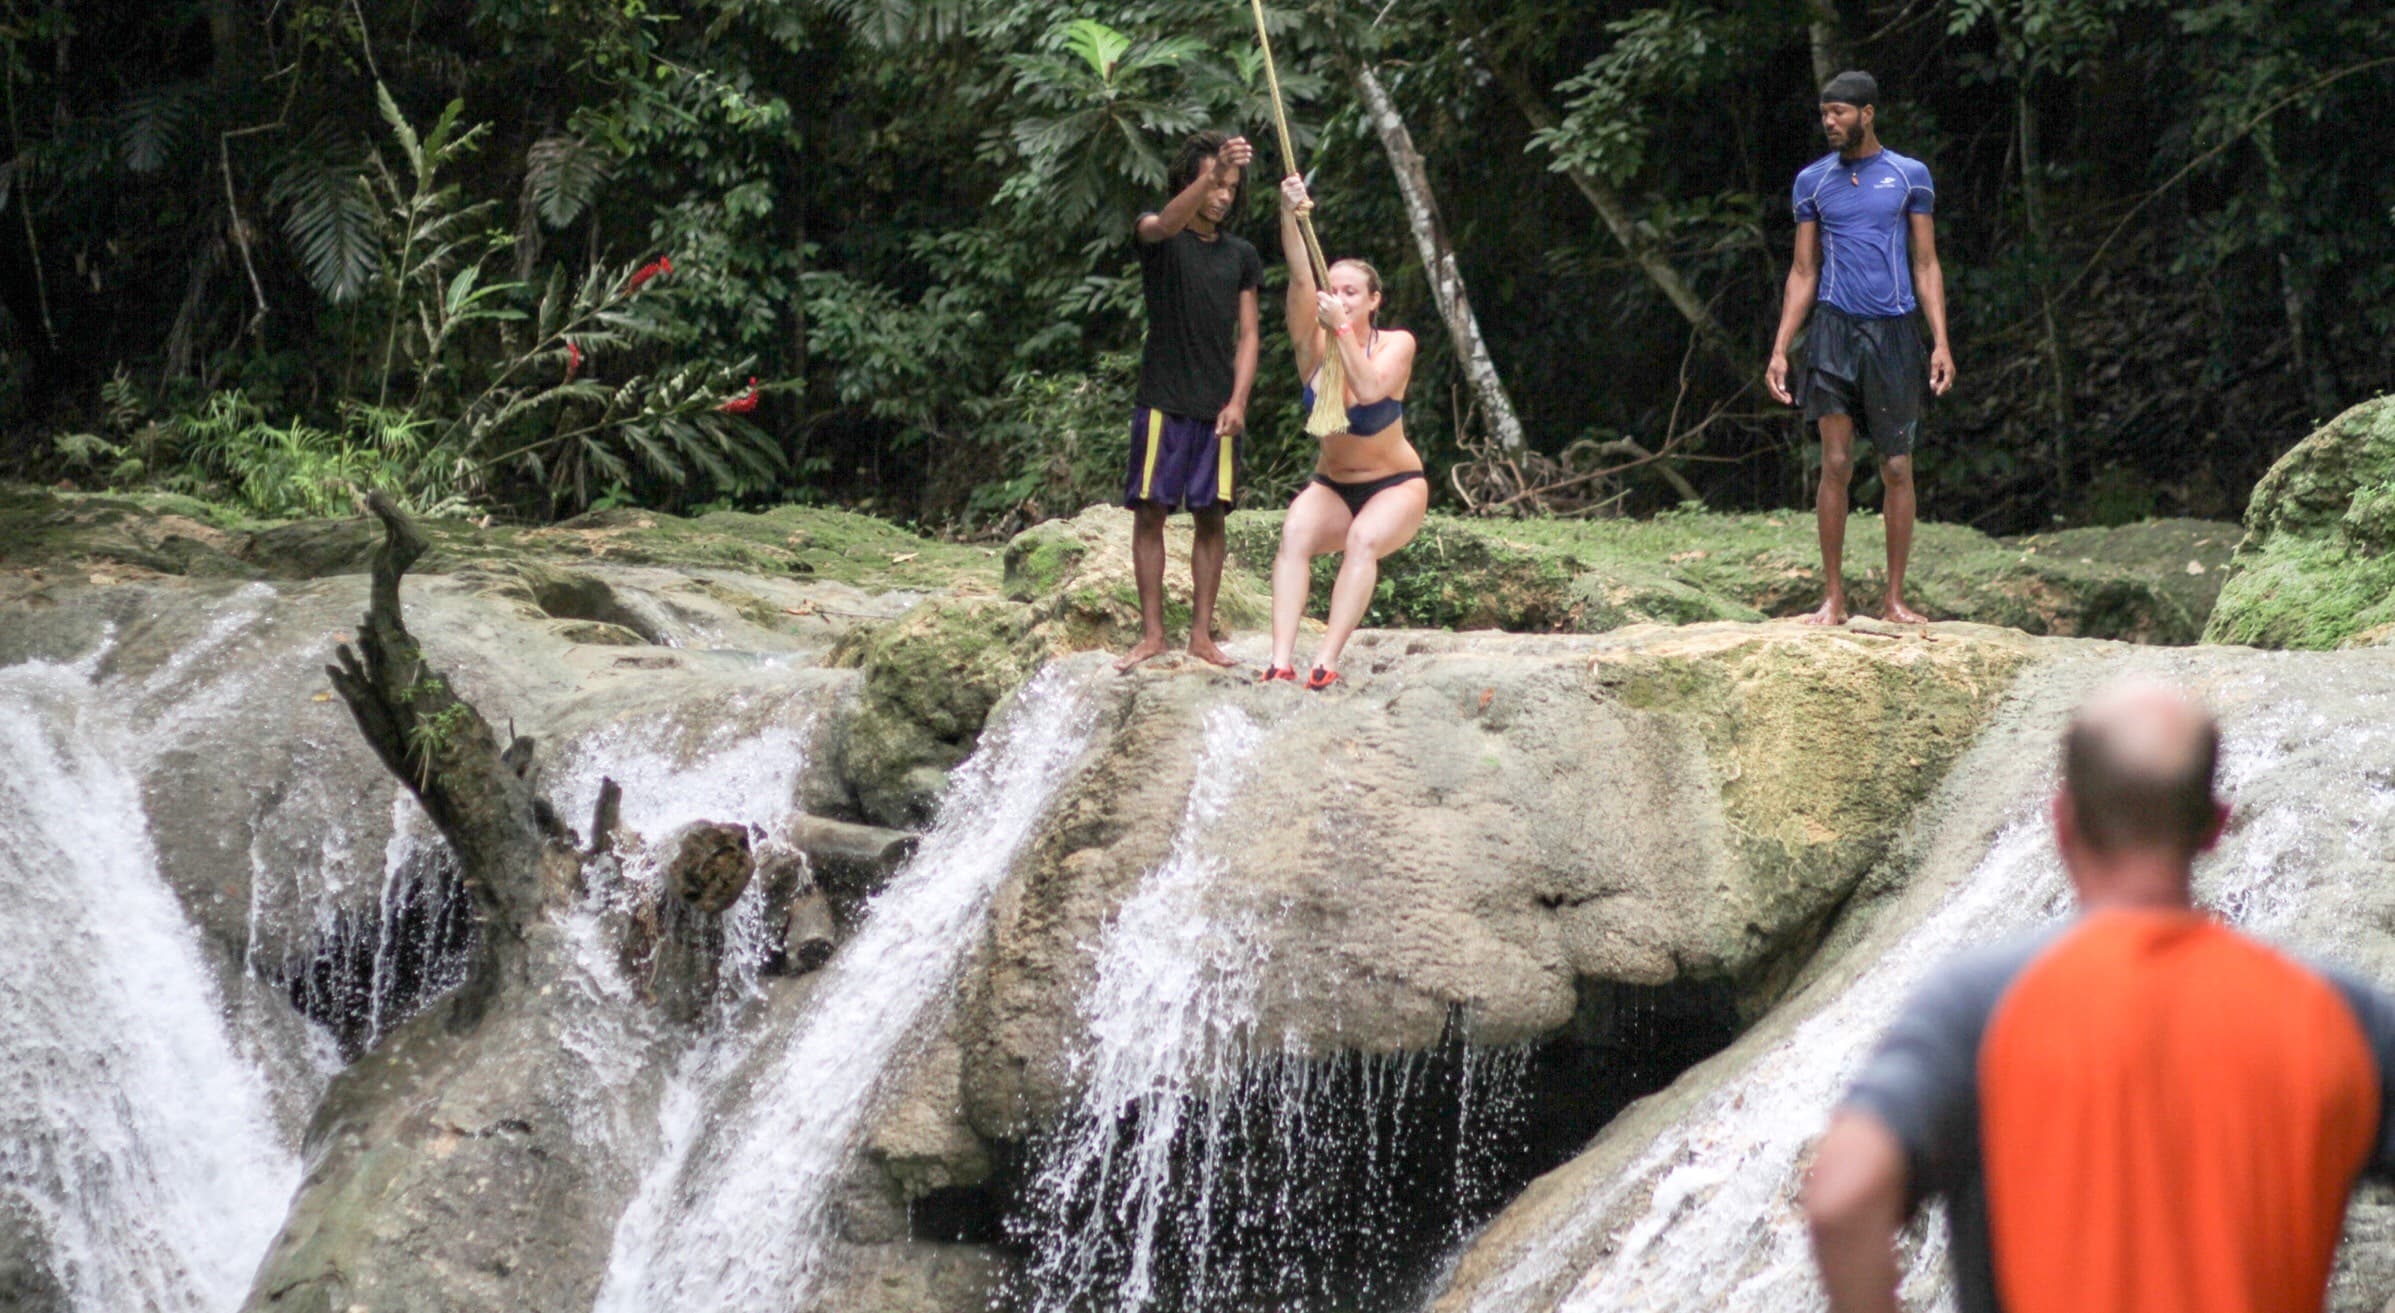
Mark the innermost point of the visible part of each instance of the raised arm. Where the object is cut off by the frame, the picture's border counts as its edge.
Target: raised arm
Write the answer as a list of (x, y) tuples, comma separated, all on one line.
[(1305, 326), (1929, 283), (1804, 280), (1178, 211)]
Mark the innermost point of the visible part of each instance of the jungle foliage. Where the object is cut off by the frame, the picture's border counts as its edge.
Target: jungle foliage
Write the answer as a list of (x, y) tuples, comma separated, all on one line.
[(534, 256)]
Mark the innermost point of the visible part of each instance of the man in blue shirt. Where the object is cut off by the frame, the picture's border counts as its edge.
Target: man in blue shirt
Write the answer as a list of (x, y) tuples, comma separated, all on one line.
[(1865, 248)]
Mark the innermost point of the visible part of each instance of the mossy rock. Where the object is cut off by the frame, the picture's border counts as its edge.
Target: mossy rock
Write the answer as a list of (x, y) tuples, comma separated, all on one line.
[(1456, 574), (1603, 600), (1076, 575), (155, 533), (1685, 567), (931, 678), (2317, 567), (2188, 559), (167, 534), (1780, 710)]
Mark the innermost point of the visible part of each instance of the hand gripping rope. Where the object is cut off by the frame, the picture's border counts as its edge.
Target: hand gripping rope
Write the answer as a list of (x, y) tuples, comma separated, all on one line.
[(1330, 390)]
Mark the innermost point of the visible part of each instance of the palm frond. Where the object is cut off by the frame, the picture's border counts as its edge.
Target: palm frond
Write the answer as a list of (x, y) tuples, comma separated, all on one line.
[(562, 177), (329, 214), (153, 124)]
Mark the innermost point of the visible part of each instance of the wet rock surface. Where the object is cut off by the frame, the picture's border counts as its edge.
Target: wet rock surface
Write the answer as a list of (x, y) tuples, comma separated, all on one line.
[(1483, 823), (1556, 841), (1689, 1196)]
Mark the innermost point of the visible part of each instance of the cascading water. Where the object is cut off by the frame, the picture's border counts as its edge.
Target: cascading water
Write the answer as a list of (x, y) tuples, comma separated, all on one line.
[(134, 1134), (1207, 1166), (1718, 1229), (737, 1219)]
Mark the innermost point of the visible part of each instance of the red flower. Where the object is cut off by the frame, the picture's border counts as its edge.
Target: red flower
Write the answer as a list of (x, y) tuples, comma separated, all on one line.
[(573, 360), (661, 265), (742, 404)]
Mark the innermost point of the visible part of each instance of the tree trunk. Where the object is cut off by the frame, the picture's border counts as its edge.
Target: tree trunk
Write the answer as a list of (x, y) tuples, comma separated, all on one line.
[(1618, 220), (1438, 262), (1829, 57)]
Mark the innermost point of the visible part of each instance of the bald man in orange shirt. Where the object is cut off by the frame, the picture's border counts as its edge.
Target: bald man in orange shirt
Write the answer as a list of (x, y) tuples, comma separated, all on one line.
[(2140, 1110)]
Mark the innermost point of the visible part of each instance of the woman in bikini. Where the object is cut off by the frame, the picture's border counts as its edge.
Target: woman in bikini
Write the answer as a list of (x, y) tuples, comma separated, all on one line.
[(1368, 493)]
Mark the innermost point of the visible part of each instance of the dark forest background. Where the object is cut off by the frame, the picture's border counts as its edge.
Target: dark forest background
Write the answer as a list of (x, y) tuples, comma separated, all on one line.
[(530, 257)]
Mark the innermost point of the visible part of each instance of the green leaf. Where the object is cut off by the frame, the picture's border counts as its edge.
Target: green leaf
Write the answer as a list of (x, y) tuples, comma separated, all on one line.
[(1097, 44), (330, 216), (408, 141)]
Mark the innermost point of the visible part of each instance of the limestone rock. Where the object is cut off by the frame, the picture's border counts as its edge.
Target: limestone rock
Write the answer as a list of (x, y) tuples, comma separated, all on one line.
[(2317, 567), (913, 1277), (1480, 825), (1683, 567), (1076, 575), (1690, 1193), (809, 935), (930, 680), (923, 1142), (447, 1171), (27, 1283)]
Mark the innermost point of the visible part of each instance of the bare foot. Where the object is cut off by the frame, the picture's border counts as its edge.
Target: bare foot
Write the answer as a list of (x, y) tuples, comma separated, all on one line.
[(1900, 614), (1203, 649), (1832, 613), (1148, 647)]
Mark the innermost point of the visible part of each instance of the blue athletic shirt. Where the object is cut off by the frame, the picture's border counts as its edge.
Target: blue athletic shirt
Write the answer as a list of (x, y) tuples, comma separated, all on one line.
[(1866, 265)]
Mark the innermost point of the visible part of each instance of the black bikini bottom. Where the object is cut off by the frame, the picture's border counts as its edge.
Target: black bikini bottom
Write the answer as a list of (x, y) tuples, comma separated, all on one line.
[(1356, 494)]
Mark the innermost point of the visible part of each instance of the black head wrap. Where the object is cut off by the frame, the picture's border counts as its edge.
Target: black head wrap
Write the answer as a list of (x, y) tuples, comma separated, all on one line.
[(1852, 87)]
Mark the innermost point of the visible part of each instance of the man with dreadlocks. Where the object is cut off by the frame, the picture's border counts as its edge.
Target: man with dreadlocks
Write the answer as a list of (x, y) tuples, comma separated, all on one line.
[(1865, 244), (1201, 286)]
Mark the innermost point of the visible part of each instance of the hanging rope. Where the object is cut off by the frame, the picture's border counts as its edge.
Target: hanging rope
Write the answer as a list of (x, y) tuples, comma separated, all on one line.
[(1330, 387)]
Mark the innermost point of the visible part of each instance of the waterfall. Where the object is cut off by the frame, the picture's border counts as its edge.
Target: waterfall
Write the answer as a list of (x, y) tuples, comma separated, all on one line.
[(135, 1137), (1718, 1228), (734, 1215), (1207, 1166)]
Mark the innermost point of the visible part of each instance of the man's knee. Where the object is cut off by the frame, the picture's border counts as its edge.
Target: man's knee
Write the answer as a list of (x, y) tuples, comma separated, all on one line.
[(1148, 518), (1837, 464), (1897, 473), (1208, 522)]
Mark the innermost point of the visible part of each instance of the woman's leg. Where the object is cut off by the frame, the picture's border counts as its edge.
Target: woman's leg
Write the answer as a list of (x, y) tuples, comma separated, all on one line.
[(1317, 523), (1387, 522)]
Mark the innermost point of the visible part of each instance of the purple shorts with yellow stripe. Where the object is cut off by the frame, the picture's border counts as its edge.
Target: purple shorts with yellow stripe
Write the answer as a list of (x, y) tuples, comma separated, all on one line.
[(1178, 463)]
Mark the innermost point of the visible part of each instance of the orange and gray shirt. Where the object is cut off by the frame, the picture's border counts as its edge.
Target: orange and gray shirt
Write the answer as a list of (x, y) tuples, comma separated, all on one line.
[(2143, 1110)]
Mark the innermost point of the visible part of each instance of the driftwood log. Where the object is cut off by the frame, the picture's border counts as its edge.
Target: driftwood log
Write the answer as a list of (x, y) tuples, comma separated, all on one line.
[(478, 793), (517, 857)]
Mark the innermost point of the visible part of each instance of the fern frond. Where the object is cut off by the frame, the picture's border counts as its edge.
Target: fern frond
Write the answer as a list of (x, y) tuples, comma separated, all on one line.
[(562, 177)]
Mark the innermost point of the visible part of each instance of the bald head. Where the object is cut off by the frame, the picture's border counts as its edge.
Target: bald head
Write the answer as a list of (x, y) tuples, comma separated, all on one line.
[(2137, 766)]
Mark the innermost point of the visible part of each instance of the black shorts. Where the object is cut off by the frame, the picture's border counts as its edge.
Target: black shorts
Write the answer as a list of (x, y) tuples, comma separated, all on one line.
[(1357, 493), (1876, 370)]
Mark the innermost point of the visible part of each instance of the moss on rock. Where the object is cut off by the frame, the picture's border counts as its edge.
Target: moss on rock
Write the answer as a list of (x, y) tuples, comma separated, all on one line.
[(1781, 710), (1076, 575), (931, 680), (1683, 567), (166, 534), (2317, 567)]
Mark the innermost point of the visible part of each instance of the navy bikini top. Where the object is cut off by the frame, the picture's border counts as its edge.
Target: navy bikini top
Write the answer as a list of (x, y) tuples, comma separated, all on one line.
[(1370, 418)]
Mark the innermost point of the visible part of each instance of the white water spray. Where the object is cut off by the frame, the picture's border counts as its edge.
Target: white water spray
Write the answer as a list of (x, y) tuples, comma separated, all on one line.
[(736, 1217), (133, 1134)]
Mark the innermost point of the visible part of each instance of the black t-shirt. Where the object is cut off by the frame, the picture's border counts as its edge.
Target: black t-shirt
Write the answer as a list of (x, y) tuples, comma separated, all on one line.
[(1193, 288)]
